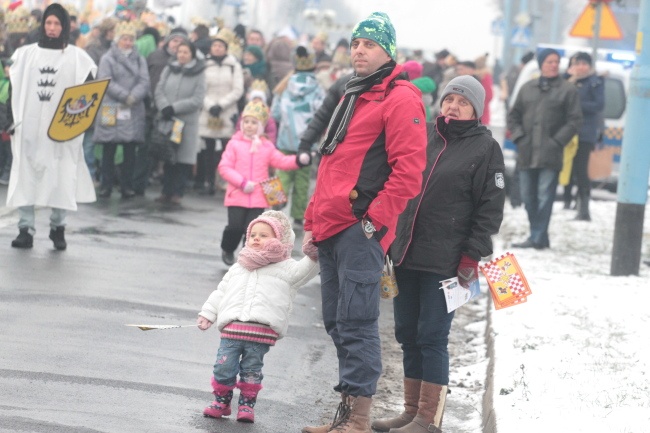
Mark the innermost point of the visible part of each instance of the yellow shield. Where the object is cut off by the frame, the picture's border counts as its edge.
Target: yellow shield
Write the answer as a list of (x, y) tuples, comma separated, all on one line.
[(77, 110)]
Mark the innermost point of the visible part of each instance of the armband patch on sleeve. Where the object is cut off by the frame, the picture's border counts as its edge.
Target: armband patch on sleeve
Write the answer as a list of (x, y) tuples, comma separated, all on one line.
[(499, 180)]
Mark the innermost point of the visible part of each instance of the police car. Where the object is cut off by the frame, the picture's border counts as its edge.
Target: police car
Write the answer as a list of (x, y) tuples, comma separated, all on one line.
[(615, 66)]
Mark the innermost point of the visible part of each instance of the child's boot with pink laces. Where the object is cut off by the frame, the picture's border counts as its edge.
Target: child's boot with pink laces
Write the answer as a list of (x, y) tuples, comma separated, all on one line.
[(247, 399), (221, 404)]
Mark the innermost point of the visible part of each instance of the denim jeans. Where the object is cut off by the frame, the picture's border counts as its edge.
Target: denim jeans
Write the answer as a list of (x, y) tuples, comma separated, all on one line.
[(538, 189), (351, 266), (27, 218), (89, 152), (422, 325), (245, 358)]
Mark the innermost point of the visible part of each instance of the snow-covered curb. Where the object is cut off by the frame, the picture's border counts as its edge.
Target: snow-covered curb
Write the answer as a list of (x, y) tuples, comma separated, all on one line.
[(574, 357)]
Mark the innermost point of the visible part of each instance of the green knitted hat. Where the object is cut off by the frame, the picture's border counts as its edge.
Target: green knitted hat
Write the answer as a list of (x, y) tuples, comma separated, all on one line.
[(378, 28)]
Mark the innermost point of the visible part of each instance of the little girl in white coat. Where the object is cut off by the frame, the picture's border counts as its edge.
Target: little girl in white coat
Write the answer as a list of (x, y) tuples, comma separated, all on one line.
[(251, 308)]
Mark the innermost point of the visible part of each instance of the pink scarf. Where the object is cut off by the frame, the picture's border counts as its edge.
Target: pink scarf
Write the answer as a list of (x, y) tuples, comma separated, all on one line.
[(273, 251)]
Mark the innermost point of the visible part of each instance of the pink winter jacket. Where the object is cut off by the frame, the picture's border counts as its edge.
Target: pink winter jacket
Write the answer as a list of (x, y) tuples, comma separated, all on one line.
[(238, 165)]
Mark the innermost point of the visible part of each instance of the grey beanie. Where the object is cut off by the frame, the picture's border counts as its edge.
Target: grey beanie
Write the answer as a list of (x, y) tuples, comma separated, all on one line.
[(468, 87)]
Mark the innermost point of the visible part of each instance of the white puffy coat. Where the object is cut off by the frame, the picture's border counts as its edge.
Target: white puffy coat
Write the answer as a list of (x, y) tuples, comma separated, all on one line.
[(264, 295), (224, 86)]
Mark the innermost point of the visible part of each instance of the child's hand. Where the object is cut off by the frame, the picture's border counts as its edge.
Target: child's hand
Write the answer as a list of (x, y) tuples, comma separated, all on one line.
[(308, 247), (203, 323), (249, 187)]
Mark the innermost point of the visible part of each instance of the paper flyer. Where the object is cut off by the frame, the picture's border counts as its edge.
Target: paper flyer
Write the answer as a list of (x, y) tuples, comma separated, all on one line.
[(456, 295)]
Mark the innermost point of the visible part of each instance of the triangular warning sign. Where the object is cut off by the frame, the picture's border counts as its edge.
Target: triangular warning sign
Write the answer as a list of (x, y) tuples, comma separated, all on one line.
[(584, 26)]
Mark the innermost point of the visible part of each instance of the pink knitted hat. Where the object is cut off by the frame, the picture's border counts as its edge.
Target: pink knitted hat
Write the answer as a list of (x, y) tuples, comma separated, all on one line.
[(281, 226), (413, 69)]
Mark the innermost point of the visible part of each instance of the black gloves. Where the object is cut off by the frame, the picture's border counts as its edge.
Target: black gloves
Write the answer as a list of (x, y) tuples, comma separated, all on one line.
[(167, 112), (215, 110), (303, 159)]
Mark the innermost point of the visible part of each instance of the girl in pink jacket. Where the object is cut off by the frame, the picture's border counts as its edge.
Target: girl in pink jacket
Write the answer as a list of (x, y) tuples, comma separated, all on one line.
[(246, 162)]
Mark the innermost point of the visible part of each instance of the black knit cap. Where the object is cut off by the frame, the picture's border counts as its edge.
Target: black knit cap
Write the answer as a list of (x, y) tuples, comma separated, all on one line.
[(62, 41), (542, 55)]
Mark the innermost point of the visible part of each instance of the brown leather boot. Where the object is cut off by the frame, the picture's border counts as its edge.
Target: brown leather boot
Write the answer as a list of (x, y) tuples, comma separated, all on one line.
[(411, 399), (325, 428), (430, 410), (357, 420)]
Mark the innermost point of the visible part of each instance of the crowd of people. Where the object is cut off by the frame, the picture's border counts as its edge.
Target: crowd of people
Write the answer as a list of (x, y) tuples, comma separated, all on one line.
[(406, 168)]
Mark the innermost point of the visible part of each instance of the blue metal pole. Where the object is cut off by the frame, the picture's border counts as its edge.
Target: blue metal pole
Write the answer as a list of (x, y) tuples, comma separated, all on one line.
[(635, 158), (523, 9), (555, 22), (506, 55)]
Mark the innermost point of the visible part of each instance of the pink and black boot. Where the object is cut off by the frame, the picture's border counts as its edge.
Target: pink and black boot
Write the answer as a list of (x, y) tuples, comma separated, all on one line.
[(221, 404), (247, 399)]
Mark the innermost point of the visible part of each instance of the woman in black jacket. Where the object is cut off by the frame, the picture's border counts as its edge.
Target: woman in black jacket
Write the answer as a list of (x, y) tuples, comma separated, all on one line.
[(443, 233)]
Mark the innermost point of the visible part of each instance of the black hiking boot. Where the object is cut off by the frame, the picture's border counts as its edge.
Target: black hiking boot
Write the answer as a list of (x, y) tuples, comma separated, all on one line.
[(24, 239), (58, 238)]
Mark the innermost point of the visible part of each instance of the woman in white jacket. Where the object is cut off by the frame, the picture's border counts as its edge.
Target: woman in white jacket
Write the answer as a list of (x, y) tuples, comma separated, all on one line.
[(224, 87), (251, 308)]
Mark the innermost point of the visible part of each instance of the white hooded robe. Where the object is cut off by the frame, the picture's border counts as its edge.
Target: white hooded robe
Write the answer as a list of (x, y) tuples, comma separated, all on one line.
[(46, 172)]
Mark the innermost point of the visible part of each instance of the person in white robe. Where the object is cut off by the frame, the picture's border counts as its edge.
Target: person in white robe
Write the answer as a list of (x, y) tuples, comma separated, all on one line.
[(46, 172)]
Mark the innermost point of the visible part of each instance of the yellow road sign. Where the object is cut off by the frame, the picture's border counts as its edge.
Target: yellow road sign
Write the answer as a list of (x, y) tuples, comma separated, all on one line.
[(584, 26), (77, 110)]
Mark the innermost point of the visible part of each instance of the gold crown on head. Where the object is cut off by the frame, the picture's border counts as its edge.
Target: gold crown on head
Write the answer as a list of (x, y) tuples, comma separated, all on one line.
[(259, 84), (72, 10), (18, 22), (225, 34), (258, 110), (126, 28), (199, 20), (20, 12)]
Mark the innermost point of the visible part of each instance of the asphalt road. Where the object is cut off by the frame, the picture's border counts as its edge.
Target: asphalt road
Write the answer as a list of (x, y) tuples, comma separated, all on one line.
[(69, 364)]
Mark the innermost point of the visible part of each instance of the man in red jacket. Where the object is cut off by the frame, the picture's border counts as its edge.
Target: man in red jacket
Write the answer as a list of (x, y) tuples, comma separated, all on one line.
[(372, 161)]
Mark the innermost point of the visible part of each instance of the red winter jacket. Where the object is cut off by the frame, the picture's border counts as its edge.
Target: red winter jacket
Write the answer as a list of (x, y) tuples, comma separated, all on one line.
[(381, 158)]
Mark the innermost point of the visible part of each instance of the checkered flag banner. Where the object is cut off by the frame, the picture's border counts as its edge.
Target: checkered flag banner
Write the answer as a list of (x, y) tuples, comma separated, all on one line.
[(273, 191), (508, 285)]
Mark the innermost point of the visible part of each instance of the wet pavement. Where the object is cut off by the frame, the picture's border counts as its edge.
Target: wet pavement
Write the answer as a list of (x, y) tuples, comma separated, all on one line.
[(68, 363)]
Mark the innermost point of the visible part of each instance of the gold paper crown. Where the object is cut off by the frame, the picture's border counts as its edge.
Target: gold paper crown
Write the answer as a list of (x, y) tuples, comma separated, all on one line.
[(322, 36), (199, 20), (305, 63), (17, 21), (21, 12), (72, 10), (259, 84), (227, 35), (126, 28), (258, 110)]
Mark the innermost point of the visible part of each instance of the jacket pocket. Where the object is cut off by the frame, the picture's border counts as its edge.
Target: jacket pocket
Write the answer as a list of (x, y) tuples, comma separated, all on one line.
[(359, 296)]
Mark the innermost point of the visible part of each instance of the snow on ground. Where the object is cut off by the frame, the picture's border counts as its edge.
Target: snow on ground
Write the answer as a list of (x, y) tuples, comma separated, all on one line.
[(574, 358)]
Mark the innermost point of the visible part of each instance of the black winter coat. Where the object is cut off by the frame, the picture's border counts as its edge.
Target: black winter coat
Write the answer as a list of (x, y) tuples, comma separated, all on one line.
[(461, 205), (592, 101)]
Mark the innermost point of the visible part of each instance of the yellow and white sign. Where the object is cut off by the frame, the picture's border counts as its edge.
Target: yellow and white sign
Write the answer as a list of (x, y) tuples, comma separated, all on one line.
[(77, 110), (584, 26)]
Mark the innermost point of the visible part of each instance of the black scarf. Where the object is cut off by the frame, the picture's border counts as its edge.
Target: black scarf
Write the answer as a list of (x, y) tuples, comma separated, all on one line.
[(218, 59), (546, 82), (338, 127)]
